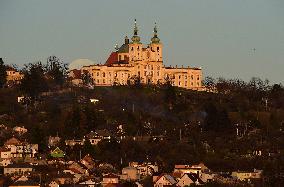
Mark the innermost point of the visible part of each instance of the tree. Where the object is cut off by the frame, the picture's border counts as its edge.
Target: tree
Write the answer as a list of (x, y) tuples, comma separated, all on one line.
[(209, 83), (134, 81), (56, 71), (87, 79), (3, 74), (33, 82), (216, 119)]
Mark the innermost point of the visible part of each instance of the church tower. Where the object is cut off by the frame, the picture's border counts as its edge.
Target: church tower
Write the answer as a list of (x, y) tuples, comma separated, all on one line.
[(156, 47), (135, 47)]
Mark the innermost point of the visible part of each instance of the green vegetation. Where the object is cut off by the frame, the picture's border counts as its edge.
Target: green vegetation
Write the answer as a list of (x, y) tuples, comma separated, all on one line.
[(225, 128)]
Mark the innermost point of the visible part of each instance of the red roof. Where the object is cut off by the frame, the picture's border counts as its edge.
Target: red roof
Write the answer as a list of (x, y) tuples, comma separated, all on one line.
[(76, 73), (113, 57)]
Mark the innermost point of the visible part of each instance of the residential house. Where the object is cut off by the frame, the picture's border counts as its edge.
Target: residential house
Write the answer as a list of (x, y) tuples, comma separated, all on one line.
[(28, 183), (53, 183), (164, 180), (53, 141), (146, 168), (88, 161), (21, 149), (247, 175), (64, 178), (5, 162), (130, 174), (190, 168), (19, 168), (90, 183), (57, 153), (20, 130), (188, 179), (5, 153), (98, 135), (110, 179), (74, 142)]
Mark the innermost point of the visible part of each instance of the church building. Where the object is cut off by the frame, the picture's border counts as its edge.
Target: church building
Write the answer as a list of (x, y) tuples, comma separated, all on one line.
[(132, 59)]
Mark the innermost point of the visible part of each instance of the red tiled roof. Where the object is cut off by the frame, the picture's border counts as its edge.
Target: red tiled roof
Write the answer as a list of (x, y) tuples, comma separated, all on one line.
[(113, 57), (76, 73)]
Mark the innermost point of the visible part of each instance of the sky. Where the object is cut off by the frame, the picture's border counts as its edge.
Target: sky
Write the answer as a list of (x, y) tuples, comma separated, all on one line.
[(218, 35)]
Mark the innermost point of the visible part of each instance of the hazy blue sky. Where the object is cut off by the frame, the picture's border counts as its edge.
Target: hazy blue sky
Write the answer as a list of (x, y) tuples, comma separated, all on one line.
[(217, 35)]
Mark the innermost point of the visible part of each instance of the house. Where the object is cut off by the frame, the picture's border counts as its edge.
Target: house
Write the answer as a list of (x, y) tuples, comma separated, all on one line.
[(246, 175), (88, 161), (90, 183), (79, 168), (74, 142), (20, 130), (130, 174), (28, 183), (13, 76), (19, 168), (21, 149), (188, 179), (98, 135), (145, 168), (110, 179), (5, 162), (190, 168), (53, 140), (164, 180), (5, 153), (64, 178), (53, 183), (57, 153), (207, 176), (76, 77)]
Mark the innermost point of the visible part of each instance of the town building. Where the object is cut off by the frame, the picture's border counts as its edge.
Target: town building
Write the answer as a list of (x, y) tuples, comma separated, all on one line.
[(132, 62)]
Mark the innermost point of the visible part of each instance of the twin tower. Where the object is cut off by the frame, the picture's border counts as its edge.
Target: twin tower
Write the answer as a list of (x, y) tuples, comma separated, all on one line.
[(134, 51)]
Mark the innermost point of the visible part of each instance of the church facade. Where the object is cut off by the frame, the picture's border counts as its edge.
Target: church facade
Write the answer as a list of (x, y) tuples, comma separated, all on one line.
[(132, 59)]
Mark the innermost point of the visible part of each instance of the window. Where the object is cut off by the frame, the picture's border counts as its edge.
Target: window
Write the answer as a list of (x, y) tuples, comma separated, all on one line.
[(131, 48), (158, 67), (98, 74), (145, 73), (145, 67), (179, 83), (138, 48), (192, 77), (179, 77), (158, 49), (185, 77), (109, 74), (104, 74), (157, 73), (104, 81), (197, 77)]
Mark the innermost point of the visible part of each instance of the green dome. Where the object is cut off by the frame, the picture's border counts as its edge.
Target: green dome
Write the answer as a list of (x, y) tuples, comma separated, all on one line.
[(155, 38), (135, 38)]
